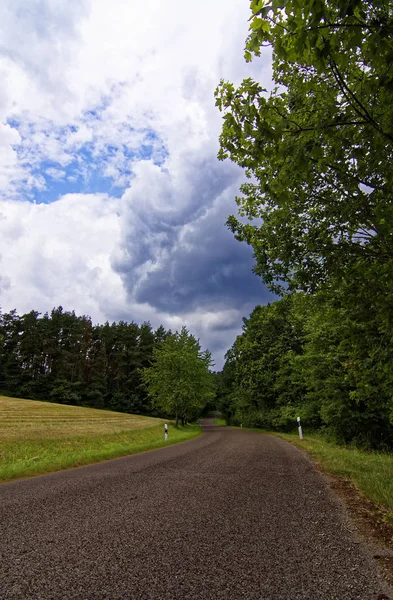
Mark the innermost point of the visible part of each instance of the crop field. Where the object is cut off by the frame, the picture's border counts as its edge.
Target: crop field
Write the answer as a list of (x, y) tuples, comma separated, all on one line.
[(40, 437)]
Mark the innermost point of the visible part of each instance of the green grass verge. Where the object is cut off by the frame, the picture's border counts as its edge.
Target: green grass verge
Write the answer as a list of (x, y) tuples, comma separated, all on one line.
[(221, 422), (39, 437)]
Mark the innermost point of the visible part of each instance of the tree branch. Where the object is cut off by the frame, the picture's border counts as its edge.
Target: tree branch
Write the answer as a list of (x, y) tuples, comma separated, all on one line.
[(359, 108)]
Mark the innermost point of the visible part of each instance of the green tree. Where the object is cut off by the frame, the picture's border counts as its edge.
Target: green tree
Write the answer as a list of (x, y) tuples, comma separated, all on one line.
[(64, 358), (318, 150), (326, 357), (179, 381), (11, 328), (346, 363), (263, 390)]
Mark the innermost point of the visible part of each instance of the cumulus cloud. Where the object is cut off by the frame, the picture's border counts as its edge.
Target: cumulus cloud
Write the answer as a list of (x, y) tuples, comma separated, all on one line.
[(9, 167), (59, 253), (175, 250), (114, 103), (56, 173)]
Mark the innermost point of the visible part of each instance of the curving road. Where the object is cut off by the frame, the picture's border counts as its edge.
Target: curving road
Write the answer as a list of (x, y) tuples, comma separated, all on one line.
[(229, 515)]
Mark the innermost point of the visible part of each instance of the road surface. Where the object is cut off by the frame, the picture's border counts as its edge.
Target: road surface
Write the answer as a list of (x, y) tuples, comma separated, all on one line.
[(229, 515)]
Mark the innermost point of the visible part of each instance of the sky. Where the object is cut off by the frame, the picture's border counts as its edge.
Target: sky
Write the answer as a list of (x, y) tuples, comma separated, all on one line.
[(112, 200)]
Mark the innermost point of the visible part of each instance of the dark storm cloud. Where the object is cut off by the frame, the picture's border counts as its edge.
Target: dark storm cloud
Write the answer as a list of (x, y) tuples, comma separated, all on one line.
[(163, 203), (177, 254), (176, 230), (208, 268)]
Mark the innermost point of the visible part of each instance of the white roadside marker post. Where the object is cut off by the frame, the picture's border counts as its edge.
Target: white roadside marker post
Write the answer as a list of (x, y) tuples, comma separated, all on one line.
[(166, 432), (300, 428)]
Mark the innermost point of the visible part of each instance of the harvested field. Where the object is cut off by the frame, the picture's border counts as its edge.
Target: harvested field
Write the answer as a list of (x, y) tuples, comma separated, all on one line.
[(39, 437)]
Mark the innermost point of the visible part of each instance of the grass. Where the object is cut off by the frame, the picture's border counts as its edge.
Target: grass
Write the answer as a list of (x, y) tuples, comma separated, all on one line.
[(219, 421), (41, 437)]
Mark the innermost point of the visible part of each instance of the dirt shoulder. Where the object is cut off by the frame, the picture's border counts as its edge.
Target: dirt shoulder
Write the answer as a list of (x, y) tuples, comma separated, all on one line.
[(371, 520)]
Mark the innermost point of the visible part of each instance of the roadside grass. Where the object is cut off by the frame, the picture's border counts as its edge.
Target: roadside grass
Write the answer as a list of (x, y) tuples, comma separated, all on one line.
[(41, 437), (219, 421), (371, 472)]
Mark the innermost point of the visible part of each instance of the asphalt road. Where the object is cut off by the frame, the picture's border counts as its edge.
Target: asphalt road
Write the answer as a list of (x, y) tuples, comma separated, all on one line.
[(229, 515)]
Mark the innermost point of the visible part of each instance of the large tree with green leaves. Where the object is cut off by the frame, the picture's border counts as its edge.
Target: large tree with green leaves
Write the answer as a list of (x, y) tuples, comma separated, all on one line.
[(318, 153), (179, 381), (319, 356), (258, 383), (318, 150)]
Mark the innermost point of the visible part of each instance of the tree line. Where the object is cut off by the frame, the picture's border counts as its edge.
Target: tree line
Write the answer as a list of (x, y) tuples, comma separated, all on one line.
[(64, 358), (315, 357), (317, 209)]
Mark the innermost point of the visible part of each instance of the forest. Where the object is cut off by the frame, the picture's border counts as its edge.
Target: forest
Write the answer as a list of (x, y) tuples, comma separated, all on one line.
[(317, 357), (317, 209), (64, 358)]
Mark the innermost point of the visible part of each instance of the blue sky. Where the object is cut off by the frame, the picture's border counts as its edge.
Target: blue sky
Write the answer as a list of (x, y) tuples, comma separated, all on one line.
[(112, 200)]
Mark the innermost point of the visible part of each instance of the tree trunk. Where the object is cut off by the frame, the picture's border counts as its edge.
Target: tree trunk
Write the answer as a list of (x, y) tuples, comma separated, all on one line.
[(177, 419)]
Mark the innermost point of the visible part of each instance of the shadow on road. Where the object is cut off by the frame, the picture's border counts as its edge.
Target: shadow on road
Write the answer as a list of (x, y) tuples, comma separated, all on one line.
[(208, 425)]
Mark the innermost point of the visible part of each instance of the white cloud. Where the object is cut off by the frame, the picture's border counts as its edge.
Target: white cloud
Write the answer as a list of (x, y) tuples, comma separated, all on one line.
[(55, 173), (9, 167), (76, 73), (59, 253), (123, 91)]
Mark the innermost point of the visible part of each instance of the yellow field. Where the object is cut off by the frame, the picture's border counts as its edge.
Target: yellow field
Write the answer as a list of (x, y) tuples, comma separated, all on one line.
[(34, 419), (39, 437)]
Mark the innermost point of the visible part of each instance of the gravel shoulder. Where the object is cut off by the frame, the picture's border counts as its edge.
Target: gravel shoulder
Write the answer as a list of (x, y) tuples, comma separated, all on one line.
[(231, 514)]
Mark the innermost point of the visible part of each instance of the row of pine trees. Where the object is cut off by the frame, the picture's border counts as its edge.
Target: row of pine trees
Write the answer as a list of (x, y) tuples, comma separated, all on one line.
[(64, 358)]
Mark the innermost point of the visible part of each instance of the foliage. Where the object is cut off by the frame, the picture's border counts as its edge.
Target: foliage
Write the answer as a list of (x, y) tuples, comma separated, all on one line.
[(312, 356), (260, 390), (318, 211), (179, 380), (64, 394), (318, 150), (349, 335), (66, 359)]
